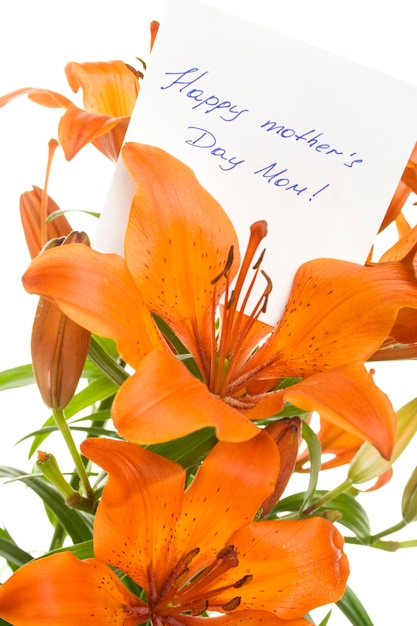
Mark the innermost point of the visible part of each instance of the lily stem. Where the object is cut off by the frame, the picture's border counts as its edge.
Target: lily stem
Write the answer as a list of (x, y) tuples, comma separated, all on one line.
[(62, 424), (389, 531), (388, 546), (330, 495)]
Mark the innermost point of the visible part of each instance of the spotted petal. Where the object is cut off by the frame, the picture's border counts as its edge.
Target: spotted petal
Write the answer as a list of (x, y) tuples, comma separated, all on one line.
[(163, 401), (338, 312), (137, 514), (348, 397), (296, 566), (97, 291), (177, 243), (62, 590), (219, 487)]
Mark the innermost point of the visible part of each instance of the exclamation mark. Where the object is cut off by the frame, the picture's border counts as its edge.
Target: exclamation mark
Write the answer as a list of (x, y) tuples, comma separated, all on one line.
[(319, 191)]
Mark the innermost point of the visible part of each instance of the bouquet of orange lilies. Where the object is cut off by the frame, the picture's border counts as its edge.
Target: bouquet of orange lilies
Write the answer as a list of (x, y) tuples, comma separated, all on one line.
[(196, 413)]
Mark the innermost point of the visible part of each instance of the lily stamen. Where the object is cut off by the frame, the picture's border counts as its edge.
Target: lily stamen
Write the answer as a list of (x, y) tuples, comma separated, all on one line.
[(235, 324), (182, 595), (227, 266)]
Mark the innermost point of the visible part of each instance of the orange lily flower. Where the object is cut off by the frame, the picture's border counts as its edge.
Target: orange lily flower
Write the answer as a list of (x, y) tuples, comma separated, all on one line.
[(109, 93), (178, 265), (190, 551)]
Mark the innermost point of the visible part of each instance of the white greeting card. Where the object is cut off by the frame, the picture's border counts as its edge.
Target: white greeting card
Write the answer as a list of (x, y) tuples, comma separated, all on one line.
[(275, 129)]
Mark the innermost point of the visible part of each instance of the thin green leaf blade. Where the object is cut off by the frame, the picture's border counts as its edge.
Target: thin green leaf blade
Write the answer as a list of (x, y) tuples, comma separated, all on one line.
[(352, 513), (16, 377), (98, 390), (314, 449), (83, 550), (10, 551), (353, 609), (77, 524), (326, 619), (188, 450)]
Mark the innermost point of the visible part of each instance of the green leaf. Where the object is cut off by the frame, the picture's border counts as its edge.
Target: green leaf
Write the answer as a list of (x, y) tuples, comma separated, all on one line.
[(353, 515), (83, 550), (325, 620), (55, 214), (188, 450), (353, 609), (16, 377), (10, 551), (78, 525), (314, 449), (22, 375), (96, 391), (94, 431), (180, 349), (102, 415), (104, 356)]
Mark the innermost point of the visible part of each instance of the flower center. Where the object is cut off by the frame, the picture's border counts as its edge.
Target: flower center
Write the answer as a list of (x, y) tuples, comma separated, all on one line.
[(233, 339), (195, 595)]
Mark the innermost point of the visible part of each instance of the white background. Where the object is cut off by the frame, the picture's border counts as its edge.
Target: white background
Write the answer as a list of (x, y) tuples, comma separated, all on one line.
[(37, 40)]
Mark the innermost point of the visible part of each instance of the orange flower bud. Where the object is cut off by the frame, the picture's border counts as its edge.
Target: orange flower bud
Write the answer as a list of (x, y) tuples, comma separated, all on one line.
[(286, 433), (59, 346), (49, 467), (31, 217)]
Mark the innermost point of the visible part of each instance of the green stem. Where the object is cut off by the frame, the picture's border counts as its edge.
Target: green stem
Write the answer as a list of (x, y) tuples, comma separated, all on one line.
[(330, 495), (389, 531), (388, 546), (62, 424)]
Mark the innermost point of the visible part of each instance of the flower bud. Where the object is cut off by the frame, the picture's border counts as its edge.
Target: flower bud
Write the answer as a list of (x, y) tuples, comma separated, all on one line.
[(59, 346), (286, 433), (369, 464), (409, 499), (31, 217), (48, 465)]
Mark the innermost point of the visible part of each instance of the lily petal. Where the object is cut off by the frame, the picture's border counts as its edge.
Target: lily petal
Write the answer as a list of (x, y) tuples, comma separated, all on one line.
[(177, 243), (296, 566), (162, 400), (348, 397), (46, 97), (332, 301), (62, 590), (218, 487), (345, 396), (95, 299), (137, 514), (109, 88), (77, 128), (336, 443)]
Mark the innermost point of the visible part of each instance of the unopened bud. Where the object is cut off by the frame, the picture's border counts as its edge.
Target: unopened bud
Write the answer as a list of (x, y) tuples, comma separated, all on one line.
[(368, 464), (286, 433), (59, 346), (48, 465), (409, 499), (36, 233)]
